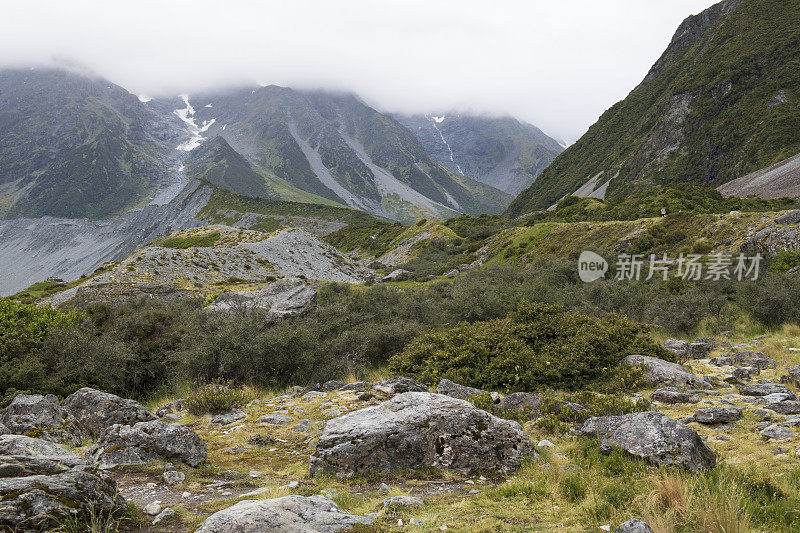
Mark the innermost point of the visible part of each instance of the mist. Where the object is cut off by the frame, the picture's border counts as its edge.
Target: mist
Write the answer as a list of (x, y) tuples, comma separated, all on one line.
[(557, 65)]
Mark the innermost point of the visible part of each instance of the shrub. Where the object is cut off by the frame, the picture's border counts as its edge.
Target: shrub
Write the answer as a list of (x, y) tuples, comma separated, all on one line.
[(536, 346), (219, 396), (194, 241)]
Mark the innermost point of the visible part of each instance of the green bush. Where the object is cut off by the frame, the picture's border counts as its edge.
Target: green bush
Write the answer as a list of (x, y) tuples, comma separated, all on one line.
[(219, 396), (536, 346), (194, 241)]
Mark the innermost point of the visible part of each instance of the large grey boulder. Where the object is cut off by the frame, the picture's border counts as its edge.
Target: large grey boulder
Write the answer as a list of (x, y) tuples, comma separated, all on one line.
[(399, 385), (652, 436), (678, 347), (764, 389), (717, 415), (660, 372), (96, 411), (794, 372), (293, 514), (634, 525), (757, 360), (454, 390), (785, 407), (522, 401), (672, 395), (42, 417), (699, 350), (42, 484), (418, 430), (148, 441), (283, 298), (792, 217)]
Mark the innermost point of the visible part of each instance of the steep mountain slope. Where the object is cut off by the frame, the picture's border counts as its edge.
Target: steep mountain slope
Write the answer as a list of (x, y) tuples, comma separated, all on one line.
[(721, 102), (75, 146), (337, 147), (502, 152)]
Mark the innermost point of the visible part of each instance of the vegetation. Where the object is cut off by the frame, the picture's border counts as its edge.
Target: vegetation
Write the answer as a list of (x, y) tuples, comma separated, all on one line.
[(219, 396), (535, 347), (192, 241)]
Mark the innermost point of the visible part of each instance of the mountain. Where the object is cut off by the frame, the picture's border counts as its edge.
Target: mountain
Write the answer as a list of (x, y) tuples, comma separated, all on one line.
[(75, 146), (502, 152), (337, 147), (720, 103)]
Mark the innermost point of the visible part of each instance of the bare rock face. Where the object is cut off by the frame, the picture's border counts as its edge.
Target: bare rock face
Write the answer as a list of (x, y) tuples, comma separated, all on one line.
[(660, 372), (290, 513), (418, 430), (521, 401), (96, 411), (652, 436), (41, 417), (283, 298), (148, 441), (42, 483)]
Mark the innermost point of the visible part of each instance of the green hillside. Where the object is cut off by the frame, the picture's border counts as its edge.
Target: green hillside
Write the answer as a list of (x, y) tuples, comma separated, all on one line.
[(721, 102)]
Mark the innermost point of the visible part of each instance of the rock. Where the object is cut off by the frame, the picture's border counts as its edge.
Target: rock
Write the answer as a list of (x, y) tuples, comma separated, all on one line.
[(794, 372), (42, 484), (793, 217), (153, 508), (396, 275), (699, 350), (310, 395), (634, 525), (717, 415), (4, 430), (454, 390), (284, 298), (358, 386), (755, 359), (290, 513), (166, 514), (660, 372), (678, 347), (652, 436), (96, 411), (721, 361), (332, 385), (399, 385), (777, 397), (777, 433), (148, 441), (522, 401), (225, 419), (785, 407), (41, 417), (401, 502), (173, 477), (418, 430), (178, 407), (670, 395), (763, 389), (383, 487), (545, 443), (745, 372), (275, 419), (302, 427)]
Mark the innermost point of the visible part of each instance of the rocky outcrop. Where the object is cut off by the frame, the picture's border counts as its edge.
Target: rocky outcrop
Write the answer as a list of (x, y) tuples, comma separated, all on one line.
[(41, 417), (176, 407), (283, 298), (454, 390), (418, 430), (148, 441), (785, 407), (660, 372), (96, 411), (678, 347), (42, 483), (717, 415), (399, 385), (634, 525), (652, 436), (764, 389), (290, 513)]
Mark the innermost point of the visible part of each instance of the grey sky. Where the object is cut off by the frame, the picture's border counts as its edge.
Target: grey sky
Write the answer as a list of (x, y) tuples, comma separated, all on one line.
[(557, 64)]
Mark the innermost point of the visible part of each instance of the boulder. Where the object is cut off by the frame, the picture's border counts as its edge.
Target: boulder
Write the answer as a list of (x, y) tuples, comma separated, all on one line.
[(717, 415), (721, 361), (763, 389), (785, 407), (148, 441), (41, 417), (754, 359), (678, 347), (454, 390), (671, 395), (418, 430), (652, 436), (699, 350), (332, 385), (401, 502), (660, 372), (284, 298), (396, 275), (358, 386), (177, 407), (4, 430), (522, 401), (96, 411), (290, 513), (634, 525), (42, 484), (792, 217), (275, 419), (777, 433), (224, 419), (399, 385)]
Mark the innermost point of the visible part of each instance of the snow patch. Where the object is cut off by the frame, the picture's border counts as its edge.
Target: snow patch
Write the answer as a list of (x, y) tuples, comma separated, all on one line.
[(187, 116), (144, 98), (435, 121)]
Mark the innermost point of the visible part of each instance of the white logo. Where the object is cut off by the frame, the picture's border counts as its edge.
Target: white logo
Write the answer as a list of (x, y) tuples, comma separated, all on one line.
[(591, 267)]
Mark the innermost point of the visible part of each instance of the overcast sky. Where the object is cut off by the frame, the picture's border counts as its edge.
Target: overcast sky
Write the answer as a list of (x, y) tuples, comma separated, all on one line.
[(557, 64)]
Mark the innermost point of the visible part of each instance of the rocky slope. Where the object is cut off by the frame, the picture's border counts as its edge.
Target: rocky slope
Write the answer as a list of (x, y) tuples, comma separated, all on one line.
[(498, 151), (720, 103)]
